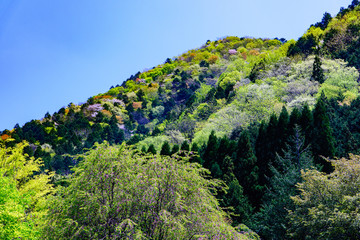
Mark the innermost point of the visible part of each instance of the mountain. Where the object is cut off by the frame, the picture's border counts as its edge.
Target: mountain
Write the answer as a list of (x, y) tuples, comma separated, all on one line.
[(241, 103)]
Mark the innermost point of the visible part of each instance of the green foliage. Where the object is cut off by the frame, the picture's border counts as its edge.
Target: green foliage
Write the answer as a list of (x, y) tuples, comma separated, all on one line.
[(271, 221), (256, 70), (13, 222), (326, 206), (322, 139), (175, 149), (157, 141), (185, 146), (318, 72), (151, 149), (22, 194), (246, 169), (165, 149), (238, 202), (117, 193)]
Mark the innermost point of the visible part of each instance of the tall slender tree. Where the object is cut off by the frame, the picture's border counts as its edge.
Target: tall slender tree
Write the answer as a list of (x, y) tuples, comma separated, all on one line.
[(210, 150), (306, 123), (318, 72), (246, 169), (322, 139)]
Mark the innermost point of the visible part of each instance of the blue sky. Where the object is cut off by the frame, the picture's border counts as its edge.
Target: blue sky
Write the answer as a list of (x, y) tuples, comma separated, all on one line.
[(61, 51)]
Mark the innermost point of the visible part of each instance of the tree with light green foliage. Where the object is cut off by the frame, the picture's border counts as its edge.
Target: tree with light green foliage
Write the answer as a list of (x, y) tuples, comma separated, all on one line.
[(117, 193), (327, 204), (22, 194)]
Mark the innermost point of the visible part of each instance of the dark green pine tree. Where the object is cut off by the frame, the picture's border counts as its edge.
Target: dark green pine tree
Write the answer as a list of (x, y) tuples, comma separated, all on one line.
[(282, 129), (194, 147), (175, 149), (293, 120), (272, 136), (165, 149), (306, 123), (196, 157), (185, 146), (261, 153), (211, 150), (318, 72), (271, 221), (246, 169), (322, 139), (151, 149), (225, 148), (272, 141), (215, 170), (235, 198)]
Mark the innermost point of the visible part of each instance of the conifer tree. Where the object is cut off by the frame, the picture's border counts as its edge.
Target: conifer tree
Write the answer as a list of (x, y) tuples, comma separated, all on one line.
[(272, 140), (271, 221), (151, 149), (194, 147), (322, 139), (318, 72), (165, 149), (185, 146), (225, 148), (282, 128), (306, 123), (236, 199), (211, 150), (245, 167), (175, 149), (263, 161), (293, 119)]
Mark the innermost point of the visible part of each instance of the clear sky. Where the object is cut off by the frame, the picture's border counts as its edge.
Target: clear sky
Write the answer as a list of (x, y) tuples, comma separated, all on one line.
[(61, 51)]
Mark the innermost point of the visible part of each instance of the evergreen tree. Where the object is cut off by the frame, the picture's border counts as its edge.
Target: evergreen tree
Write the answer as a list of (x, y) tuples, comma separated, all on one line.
[(185, 146), (261, 153), (211, 150), (272, 136), (306, 123), (194, 147), (246, 169), (271, 221), (225, 148), (256, 70), (318, 72), (175, 149), (293, 119), (271, 145), (215, 170), (237, 201), (322, 139), (282, 128), (165, 149), (152, 149)]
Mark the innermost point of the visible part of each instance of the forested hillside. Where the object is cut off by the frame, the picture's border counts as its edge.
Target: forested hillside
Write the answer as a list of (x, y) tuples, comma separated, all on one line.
[(242, 133)]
